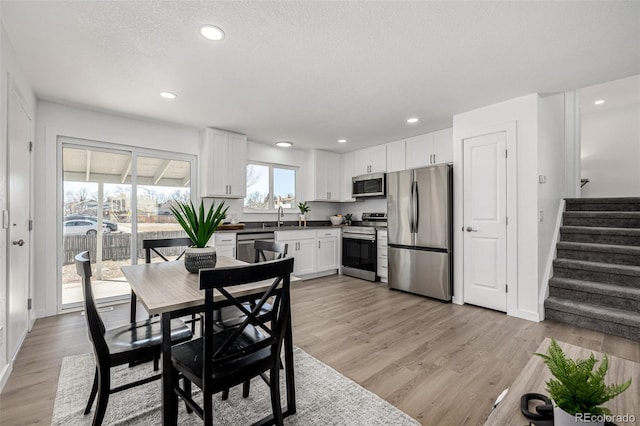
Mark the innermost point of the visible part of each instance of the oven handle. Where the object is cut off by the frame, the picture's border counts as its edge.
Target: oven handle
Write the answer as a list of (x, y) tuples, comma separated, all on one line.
[(358, 237)]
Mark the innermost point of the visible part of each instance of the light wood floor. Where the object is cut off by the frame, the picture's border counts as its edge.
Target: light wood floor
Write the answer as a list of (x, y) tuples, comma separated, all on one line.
[(440, 363)]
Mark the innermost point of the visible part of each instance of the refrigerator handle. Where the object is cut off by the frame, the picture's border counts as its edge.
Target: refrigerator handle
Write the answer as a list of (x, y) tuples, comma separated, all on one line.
[(411, 210), (416, 209)]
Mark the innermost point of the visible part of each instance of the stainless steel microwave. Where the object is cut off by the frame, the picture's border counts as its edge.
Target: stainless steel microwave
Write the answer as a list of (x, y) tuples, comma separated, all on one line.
[(373, 185)]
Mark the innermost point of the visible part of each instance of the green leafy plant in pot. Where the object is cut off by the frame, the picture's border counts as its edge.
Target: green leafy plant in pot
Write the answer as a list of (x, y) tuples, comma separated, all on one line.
[(577, 390), (199, 226)]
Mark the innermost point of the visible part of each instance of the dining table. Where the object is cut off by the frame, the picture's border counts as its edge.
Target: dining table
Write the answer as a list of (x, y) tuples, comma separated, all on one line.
[(169, 290)]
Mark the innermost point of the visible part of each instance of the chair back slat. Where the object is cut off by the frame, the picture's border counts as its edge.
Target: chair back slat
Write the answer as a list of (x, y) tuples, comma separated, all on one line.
[(228, 348), (153, 245), (94, 321), (277, 248)]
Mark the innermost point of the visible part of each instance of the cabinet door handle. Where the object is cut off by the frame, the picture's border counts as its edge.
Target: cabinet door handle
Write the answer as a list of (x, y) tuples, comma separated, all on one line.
[(434, 159), (229, 189), (318, 243)]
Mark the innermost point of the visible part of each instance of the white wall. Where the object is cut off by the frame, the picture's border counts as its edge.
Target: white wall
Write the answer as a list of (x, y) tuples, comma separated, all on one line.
[(610, 140), (55, 120), (523, 295), (551, 165), (10, 73)]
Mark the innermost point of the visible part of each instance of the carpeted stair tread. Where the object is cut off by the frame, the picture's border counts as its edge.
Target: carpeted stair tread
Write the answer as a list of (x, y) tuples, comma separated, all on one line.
[(597, 267), (596, 288), (600, 230), (601, 213), (603, 200), (611, 248), (606, 314)]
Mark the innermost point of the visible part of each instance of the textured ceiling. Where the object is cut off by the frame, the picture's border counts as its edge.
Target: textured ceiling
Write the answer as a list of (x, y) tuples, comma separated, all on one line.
[(313, 72)]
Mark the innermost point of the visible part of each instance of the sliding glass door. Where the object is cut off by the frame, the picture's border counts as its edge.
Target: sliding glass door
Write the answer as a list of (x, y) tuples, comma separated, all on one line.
[(112, 200)]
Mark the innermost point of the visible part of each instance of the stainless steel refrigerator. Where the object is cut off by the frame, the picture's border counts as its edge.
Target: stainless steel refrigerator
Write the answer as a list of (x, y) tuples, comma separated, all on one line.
[(419, 210)]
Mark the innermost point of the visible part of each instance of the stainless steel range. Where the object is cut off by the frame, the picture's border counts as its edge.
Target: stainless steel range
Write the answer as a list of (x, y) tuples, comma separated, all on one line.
[(359, 251)]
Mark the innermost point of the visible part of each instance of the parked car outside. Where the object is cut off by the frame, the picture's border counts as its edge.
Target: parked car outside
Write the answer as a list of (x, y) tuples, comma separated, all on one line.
[(82, 227), (111, 225)]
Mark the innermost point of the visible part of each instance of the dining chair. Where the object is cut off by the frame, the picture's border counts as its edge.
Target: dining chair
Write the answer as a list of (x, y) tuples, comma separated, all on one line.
[(129, 344), (230, 316), (224, 358)]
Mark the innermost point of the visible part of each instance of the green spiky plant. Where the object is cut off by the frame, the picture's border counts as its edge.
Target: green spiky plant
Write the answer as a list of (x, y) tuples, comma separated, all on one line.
[(576, 387), (199, 225), (303, 207)]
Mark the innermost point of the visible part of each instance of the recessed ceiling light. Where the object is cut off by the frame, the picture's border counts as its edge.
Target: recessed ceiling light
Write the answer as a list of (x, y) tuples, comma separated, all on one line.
[(211, 32), (599, 102), (284, 144), (412, 120), (342, 140), (168, 95)]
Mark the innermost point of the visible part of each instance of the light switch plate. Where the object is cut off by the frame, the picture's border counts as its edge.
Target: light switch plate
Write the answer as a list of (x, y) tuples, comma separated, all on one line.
[(5, 219), (542, 179)]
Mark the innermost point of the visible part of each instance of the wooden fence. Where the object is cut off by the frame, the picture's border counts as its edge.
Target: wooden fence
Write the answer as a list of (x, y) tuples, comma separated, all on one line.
[(115, 246)]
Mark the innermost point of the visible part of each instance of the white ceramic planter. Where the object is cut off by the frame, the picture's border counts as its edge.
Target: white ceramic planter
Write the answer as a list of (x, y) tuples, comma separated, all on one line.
[(562, 418)]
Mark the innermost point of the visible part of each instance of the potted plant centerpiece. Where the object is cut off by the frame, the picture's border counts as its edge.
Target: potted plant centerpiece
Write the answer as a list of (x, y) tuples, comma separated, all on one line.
[(199, 226), (304, 209), (577, 390)]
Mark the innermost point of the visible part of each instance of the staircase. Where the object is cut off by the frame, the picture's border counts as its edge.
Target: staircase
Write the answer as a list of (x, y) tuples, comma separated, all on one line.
[(596, 275)]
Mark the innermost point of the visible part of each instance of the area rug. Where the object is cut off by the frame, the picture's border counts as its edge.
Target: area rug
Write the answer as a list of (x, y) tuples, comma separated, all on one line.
[(323, 397)]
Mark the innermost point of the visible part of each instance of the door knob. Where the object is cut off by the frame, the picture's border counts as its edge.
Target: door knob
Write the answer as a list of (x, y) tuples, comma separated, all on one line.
[(18, 243), (470, 229)]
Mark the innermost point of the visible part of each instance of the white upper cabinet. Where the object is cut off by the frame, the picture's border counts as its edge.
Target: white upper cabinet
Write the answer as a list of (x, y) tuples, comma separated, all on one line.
[(222, 164), (396, 153), (346, 176), (444, 146), (429, 149), (370, 160), (325, 175)]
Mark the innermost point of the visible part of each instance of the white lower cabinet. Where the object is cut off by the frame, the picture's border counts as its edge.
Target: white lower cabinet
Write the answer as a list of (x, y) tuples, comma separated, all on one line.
[(383, 265), (328, 250), (313, 250), (225, 244)]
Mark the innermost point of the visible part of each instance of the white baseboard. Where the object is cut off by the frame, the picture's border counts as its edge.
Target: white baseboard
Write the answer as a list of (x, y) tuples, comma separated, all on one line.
[(318, 274), (4, 375), (527, 315)]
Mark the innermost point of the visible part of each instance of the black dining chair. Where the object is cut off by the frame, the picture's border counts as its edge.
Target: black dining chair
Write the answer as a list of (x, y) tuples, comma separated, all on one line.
[(129, 344), (224, 358), (230, 316)]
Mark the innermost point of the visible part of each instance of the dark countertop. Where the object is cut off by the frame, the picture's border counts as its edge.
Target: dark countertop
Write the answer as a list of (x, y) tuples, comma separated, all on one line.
[(256, 227)]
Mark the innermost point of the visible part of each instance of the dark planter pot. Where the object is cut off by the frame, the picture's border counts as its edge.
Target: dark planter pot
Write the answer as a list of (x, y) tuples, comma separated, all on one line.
[(199, 258)]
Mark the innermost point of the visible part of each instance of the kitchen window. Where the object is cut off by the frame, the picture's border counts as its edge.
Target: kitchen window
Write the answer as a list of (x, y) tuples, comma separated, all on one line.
[(269, 184)]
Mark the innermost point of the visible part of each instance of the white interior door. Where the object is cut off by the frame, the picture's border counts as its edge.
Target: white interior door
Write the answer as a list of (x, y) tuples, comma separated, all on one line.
[(19, 138), (485, 215)]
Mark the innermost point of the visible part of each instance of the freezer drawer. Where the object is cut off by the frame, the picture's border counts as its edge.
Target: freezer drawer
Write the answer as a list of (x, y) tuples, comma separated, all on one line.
[(421, 272)]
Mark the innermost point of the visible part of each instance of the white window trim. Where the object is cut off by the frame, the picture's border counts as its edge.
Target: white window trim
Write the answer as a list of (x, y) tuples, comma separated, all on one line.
[(272, 208)]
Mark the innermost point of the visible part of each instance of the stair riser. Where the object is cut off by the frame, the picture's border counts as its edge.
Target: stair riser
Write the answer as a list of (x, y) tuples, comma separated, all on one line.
[(602, 222), (600, 256), (622, 240), (600, 277), (628, 332), (595, 299), (610, 207)]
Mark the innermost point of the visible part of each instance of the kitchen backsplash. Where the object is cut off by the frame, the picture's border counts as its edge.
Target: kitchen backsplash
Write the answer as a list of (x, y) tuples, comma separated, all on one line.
[(319, 210)]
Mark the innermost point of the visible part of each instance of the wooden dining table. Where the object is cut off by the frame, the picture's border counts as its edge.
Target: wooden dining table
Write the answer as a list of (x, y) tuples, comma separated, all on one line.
[(169, 290)]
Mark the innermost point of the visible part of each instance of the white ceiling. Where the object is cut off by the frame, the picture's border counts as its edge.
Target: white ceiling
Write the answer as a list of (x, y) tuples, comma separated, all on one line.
[(313, 72), (615, 94)]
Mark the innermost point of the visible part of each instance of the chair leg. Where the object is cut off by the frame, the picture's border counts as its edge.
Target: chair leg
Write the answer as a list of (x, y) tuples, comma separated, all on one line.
[(274, 385), (245, 389), (207, 408), (175, 383), (225, 394), (156, 362), (92, 395), (187, 390), (104, 386)]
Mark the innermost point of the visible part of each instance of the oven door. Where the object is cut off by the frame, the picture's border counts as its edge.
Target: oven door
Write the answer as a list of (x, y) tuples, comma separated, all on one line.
[(359, 252)]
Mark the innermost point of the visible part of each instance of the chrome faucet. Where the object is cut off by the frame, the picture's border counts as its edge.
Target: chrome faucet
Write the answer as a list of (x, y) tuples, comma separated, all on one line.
[(280, 212)]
